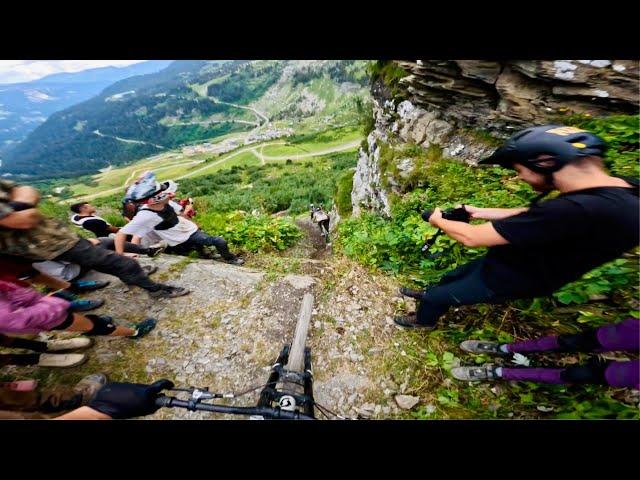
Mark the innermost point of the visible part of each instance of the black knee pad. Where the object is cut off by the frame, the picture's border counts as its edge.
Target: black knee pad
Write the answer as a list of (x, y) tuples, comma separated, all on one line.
[(591, 373), (586, 341), (101, 326)]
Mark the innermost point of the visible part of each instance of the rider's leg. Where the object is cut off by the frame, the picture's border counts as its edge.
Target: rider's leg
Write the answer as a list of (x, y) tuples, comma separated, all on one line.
[(106, 261), (201, 238), (109, 244)]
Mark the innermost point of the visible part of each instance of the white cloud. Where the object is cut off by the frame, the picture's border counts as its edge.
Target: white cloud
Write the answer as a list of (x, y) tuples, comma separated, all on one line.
[(14, 71)]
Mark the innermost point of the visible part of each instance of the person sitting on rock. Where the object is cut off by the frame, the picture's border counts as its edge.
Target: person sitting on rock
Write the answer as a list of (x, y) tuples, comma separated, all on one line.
[(158, 215), (535, 250), (620, 337), (28, 234), (85, 217), (25, 311)]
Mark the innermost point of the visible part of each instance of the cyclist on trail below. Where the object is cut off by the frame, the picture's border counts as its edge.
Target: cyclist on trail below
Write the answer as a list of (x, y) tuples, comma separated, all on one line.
[(159, 216), (319, 216), (535, 250)]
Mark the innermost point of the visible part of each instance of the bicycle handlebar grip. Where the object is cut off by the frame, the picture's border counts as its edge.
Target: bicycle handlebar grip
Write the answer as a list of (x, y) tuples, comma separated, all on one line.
[(426, 214), (163, 401)]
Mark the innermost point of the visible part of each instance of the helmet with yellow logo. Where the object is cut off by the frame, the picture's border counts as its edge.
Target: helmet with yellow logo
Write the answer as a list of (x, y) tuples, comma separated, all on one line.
[(558, 145)]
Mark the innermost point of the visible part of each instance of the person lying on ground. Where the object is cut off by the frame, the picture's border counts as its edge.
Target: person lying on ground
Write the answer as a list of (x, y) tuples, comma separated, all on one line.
[(621, 337), (535, 250), (29, 234)]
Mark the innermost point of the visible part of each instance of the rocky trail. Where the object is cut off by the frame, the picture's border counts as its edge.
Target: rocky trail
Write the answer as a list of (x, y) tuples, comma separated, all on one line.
[(227, 333)]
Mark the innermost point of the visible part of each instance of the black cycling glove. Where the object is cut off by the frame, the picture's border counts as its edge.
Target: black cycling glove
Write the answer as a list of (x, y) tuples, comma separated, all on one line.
[(127, 400)]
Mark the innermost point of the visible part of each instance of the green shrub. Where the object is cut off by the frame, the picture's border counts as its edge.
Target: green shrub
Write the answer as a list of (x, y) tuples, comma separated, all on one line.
[(251, 233), (622, 134), (342, 194)]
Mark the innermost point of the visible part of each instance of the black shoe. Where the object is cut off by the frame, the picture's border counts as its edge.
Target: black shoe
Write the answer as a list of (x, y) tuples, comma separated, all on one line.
[(167, 291), (407, 292), (155, 251), (411, 321), (87, 285), (150, 269), (234, 260)]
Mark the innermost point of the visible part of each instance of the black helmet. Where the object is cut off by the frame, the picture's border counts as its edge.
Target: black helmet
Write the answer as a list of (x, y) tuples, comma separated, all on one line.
[(563, 144)]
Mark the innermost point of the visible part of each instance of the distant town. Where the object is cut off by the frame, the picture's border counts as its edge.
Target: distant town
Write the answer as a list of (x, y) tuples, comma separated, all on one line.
[(231, 144)]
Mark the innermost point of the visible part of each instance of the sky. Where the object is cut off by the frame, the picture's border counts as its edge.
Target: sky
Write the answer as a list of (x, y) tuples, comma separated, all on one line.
[(15, 71)]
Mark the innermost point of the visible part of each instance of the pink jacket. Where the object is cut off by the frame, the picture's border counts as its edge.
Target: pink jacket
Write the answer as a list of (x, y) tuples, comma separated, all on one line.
[(24, 310)]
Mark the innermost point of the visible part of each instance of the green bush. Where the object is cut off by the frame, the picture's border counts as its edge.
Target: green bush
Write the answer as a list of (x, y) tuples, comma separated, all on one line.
[(342, 196), (393, 245), (271, 188), (622, 134), (251, 233)]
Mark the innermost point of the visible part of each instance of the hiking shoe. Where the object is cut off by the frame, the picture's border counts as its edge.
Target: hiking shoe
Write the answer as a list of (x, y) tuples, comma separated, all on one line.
[(89, 386), (234, 261), (477, 346), (155, 251), (82, 305), (411, 321), (69, 344), (144, 327), (61, 360), (149, 269), (88, 285), (482, 373), (408, 292), (167, 291)]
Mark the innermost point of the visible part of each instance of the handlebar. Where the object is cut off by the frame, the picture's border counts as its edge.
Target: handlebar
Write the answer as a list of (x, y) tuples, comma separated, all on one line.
[(267, 412)]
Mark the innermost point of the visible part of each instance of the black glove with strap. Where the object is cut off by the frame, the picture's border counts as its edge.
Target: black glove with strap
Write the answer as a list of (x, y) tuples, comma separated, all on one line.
[(128, 400)]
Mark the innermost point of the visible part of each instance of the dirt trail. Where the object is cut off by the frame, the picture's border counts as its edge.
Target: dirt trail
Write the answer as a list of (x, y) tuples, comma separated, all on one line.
[(226, 334)]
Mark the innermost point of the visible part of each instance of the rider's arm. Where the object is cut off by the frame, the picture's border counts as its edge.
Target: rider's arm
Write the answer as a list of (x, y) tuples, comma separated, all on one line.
[(119, 242), (84, 413), (113, 229), (139, 226), (493, 213), (22, 220), (469, 235), (120, 400)]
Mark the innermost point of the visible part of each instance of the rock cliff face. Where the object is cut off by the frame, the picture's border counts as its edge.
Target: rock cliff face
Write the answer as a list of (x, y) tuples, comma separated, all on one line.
[(465, 107)]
